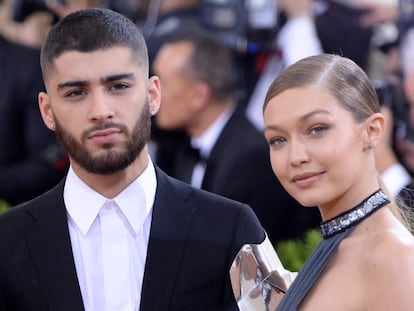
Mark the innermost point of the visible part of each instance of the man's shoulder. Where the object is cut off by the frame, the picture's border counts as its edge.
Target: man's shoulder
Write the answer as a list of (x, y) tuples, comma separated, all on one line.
[(210, 210), (12, 225), (190, 194), (201, 200), (24, 213)]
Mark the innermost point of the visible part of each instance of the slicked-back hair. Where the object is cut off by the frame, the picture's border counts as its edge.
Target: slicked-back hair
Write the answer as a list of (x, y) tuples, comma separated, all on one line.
[(340, 76), (350, 86), (90, 30), (211, 61)]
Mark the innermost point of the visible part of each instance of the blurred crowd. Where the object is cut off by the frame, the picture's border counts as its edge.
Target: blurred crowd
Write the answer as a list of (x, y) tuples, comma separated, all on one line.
[(215, 60)]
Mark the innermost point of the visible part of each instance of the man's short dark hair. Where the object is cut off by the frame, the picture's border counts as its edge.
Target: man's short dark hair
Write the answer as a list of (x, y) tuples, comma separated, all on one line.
[(90, 30), (211, 61)]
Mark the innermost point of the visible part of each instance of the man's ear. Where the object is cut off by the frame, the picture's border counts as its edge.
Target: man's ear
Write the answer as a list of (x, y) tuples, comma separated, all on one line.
[(200, 96), (154, 95), (46, 110), (375, 129)]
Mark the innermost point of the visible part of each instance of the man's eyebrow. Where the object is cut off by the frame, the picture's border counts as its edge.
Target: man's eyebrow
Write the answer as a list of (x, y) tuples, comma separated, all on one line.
[(121, 76), (110, 78), (72, 83)]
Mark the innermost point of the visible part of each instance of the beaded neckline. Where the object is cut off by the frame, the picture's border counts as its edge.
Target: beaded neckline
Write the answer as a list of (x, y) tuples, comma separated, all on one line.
[(355, 215)]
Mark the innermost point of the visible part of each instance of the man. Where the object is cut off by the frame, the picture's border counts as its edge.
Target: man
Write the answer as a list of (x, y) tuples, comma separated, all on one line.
[(117, 233), (199, 97)]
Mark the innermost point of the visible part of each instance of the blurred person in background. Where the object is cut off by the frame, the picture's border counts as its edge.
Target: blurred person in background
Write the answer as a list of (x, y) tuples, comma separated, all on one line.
[(161, 18), (297, 38), (31, 160), (405, 141), (394, 174), (27, 22), (22, 26), (198, 78), (389, 153)]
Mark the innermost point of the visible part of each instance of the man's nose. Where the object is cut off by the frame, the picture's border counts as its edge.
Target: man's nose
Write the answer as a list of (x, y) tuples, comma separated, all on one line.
[(101, 107)]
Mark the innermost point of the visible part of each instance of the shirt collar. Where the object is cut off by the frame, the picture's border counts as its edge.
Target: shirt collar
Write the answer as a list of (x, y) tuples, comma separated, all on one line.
[(135, 201), (207, 140)]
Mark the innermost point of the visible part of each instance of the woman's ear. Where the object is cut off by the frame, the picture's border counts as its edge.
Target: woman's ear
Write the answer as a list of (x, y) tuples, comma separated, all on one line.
[(374, 130), (46, 110)]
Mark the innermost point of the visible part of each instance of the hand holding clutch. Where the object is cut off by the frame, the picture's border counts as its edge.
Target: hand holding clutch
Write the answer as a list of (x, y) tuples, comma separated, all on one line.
[(258, 278)]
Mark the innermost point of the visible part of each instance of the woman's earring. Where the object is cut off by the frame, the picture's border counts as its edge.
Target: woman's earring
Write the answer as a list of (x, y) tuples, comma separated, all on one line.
[(370, 145)]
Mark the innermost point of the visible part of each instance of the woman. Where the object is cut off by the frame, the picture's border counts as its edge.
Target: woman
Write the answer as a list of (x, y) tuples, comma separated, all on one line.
[(322, 123)]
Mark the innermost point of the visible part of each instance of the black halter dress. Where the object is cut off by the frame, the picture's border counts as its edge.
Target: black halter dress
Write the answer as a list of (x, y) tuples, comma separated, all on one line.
[(333, 232)]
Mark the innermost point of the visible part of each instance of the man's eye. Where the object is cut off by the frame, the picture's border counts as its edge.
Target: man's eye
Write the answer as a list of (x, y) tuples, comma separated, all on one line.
[(75, 93), (119, 86)]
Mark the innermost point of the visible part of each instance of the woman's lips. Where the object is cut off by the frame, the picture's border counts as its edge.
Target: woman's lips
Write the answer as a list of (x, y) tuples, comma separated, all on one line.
[(306, 179)]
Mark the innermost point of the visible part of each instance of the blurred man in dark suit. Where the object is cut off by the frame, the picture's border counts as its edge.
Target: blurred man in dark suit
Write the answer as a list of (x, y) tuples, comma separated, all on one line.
[(231, 159)]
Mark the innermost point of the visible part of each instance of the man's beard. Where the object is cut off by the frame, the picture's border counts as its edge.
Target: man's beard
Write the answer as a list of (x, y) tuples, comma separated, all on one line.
[(109, 161)]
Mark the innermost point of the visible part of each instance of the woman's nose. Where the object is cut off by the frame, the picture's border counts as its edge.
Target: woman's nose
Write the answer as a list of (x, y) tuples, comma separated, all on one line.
[(298, 153)]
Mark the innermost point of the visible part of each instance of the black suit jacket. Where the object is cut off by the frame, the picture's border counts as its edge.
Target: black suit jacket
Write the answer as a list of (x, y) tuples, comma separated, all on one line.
[(239, 168), (193, 240)]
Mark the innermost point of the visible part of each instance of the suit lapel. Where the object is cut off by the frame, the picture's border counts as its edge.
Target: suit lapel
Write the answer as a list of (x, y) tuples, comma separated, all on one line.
[(49, 243), (217, 156), (169, 232)]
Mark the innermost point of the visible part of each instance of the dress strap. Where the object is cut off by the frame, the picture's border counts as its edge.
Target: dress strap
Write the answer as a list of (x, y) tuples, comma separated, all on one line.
[(310, 272)]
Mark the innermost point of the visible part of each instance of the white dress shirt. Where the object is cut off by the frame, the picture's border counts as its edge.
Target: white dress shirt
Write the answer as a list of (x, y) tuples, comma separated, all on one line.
[(396, 178), (205, 144), (132, 207)]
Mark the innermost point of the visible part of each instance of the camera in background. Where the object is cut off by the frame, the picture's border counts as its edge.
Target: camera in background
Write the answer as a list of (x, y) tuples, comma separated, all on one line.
[(245, 25)]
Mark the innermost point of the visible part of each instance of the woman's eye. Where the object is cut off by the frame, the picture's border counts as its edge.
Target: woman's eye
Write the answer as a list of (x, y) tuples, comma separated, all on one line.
[(317, 129), (277, 141)]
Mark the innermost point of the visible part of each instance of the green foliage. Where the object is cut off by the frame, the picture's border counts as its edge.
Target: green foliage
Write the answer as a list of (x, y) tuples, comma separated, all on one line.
[(4, 206), (294, 253)]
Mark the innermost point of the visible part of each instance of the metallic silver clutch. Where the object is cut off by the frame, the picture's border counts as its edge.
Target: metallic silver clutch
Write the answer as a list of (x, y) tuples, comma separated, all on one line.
[(258, 278)]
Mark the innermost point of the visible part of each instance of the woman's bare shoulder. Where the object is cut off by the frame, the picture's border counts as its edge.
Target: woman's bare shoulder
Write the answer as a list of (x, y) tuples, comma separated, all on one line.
[(389, 249), (388, 269)]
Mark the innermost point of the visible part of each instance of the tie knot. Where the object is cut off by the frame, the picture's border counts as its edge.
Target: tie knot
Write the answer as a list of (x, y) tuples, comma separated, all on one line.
[(187, 160), (194, 153)]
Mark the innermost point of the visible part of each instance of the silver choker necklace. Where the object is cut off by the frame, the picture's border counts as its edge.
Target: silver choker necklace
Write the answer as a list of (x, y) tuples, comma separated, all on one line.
[(355, 215)]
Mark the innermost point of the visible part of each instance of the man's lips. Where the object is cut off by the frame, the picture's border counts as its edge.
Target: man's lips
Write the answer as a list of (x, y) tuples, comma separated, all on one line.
[(104, 136)]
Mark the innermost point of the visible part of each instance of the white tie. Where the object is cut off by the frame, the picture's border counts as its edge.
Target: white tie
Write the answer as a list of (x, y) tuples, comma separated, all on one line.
[(115, 255)]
